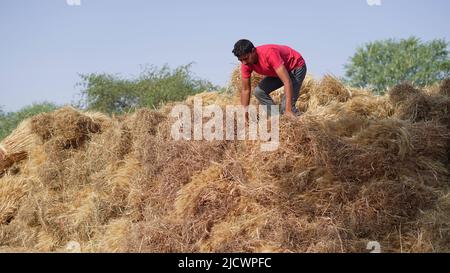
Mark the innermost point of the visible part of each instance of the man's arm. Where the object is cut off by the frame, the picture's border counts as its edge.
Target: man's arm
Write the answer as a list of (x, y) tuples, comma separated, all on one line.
[(284, 77), (245, 94)]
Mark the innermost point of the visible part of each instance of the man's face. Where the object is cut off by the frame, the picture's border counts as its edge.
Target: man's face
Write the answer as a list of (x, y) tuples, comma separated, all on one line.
[(249, 58)]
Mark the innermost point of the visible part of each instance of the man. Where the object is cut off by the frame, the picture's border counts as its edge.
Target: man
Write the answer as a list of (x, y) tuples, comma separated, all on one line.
[(282, 66)]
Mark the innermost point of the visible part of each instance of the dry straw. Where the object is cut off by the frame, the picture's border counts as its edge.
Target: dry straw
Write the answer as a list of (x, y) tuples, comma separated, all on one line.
[(16, 146), (352, 169)]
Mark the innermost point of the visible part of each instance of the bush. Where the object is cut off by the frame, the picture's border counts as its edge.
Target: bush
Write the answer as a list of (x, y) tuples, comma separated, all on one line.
[(113, 94)]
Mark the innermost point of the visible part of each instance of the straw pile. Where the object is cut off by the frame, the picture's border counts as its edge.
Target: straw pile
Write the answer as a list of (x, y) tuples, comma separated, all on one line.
[(15, 147), (445, 87), (353, 168), (417, 105)]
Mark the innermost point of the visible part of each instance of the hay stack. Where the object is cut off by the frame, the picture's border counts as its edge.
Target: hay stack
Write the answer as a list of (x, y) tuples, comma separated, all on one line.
[(80, 179), (330, 89), (417, 105), (209, 98), (402, 92), (440, 109), (415, 108), (15, 147), (388, 148), (445, 87), (345, 173), (67, 125), (11, 193), (371, 107), (111, 238)]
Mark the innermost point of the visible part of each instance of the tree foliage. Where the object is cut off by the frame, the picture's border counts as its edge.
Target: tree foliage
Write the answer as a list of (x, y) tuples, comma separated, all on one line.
[(382, 64), (155, 86)]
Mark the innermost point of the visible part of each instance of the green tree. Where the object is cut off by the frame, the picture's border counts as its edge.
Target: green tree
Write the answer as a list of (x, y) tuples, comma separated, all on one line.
[(155, 86), (10, 120), (382, 64)]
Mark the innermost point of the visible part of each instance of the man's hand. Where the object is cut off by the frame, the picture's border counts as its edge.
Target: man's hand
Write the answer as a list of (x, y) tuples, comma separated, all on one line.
[(289, 114), (283, 74), (245, 96)]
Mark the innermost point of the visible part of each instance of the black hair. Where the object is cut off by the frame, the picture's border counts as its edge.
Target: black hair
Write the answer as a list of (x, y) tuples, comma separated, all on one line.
[(242, 47)]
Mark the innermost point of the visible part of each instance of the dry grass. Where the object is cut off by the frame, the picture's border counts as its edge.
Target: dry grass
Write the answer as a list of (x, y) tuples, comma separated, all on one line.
[(354, 168), (16, 146), (445, 88), (402, 92)]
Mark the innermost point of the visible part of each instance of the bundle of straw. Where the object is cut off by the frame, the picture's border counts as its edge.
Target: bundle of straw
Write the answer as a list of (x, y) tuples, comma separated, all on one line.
[(445, 87), (15, 146), (2, 152)]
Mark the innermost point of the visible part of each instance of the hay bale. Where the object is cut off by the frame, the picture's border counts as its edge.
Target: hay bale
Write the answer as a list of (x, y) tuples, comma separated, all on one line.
[(42, 125), (250, 227), (208, 197), (12, 191), (371, 152), (440, 109), (371, 107), (159, 235), (2, 152), (385, 204), (209, 98), (432, 90), (402, 92), (65, 199), (435, 227), (15, 147), (345, 173), (116, 188), (346, 125), (415, 108), (205, 201), (430, 139), (327, 91), (422, 107), (171, 163), (389, 149), (445, 87), (144, 122), (103, 120), (46, 242), (308, 86), (112, 238), (70, 126), (9, 160)]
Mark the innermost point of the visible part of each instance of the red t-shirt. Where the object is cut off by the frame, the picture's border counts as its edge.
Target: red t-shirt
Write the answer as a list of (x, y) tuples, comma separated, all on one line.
[(270, 57)]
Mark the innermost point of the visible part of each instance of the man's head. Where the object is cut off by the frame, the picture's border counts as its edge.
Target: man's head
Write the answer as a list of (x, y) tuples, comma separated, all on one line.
[(245, 51)]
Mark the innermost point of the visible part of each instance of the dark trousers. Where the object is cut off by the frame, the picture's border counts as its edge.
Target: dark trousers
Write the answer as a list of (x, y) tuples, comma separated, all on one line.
[(270, 84)]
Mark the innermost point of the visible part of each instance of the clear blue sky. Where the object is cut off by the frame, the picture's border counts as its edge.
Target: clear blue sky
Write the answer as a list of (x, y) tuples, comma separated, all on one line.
[(46, 43)]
